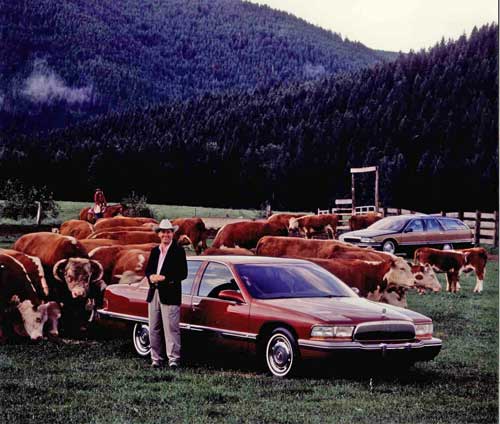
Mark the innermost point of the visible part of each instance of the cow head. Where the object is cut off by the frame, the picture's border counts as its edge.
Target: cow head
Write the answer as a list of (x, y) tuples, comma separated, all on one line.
[(33, 319), (425, 278), (78, 274), (184, 240), (399, 273), (293, 225)]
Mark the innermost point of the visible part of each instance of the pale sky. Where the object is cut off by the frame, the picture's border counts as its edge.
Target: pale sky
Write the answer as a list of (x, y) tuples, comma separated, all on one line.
[(395, 25)]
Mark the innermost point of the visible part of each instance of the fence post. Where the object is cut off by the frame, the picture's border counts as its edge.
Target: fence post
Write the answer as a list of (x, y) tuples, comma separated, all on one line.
[(461, 215), (399, 211), (477, 235), (38, 212), (385, 211), (443, 213), (495, 242)]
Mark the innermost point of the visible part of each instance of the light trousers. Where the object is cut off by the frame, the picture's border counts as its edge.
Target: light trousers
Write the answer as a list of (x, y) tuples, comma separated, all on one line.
[(164, 331)]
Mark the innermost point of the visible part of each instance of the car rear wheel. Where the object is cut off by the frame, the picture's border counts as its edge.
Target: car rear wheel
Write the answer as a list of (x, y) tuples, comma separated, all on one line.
[(140, 336), (389, 246), (282, 354), (447, 246)]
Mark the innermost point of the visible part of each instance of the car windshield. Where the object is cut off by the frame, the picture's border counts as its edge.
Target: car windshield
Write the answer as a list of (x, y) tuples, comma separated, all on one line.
[(278, 281), (392, 224)]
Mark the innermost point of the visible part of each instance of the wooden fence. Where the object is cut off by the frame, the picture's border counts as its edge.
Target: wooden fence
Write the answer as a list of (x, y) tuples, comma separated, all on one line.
[(484, 225)]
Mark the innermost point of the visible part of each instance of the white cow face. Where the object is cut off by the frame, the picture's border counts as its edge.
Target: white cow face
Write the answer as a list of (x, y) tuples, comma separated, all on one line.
[(33, 319), (425, 278), (293, 224), (78, 274), (400, 274)]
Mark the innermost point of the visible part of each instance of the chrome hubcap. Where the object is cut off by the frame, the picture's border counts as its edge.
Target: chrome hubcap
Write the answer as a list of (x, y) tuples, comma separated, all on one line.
[(141, 339), (279, 355)]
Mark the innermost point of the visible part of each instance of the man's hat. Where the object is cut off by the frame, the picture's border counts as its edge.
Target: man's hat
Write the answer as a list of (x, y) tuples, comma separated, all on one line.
[(165, 224)]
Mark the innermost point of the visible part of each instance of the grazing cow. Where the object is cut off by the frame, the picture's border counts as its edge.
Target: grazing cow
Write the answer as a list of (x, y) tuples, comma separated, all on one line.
[(476, 260), (87, 213), (228, 251), (425, 278), (119, 221), (284, 218), (246, 233), (358, 222), (130, 237), (76, 228), (194, 232), (21, 310), (311, 224), (451, 262), (34, 269)]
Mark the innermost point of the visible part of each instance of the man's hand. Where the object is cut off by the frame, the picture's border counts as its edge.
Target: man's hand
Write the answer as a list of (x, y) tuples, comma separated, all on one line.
[(156, 278)]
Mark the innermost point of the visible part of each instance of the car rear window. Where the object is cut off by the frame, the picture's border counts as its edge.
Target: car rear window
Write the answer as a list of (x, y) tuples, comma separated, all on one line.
[(452, 224), (278, 281)]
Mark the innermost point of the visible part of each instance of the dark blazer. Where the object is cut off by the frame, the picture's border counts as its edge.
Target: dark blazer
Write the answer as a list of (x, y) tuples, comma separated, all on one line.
[(174, 269)]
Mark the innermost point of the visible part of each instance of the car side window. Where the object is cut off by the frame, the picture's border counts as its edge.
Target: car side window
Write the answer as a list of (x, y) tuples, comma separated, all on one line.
[(452, 224), (416, 225), (217, 277), (432, 224), (187, 284)]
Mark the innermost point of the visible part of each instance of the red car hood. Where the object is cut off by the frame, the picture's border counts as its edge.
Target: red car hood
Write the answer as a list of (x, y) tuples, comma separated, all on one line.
[(342, 309)]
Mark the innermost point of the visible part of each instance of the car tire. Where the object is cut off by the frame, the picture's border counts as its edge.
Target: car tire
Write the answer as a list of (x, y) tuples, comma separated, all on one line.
[(281, 353), (447, 246), (389, 246), (140, 337)]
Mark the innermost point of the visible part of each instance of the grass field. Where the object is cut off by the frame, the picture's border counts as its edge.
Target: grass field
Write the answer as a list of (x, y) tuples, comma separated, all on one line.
[(100, 379)]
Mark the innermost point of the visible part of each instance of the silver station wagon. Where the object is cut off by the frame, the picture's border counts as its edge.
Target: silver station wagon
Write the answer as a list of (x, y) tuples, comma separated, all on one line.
[(405, 233)]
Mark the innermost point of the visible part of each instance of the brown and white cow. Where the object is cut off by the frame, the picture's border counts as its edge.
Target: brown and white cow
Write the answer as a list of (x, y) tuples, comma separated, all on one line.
[(134, 260), (284, 218), (194, 232), (21, 310), (246, 234), (330, 249), (91, 244), (312, 224), (118, 221), (76, 228), (358, 222), (477, 257), (130, 237), (96, 234), (34, 269), (451, 262), (425, 278), (228, 251)]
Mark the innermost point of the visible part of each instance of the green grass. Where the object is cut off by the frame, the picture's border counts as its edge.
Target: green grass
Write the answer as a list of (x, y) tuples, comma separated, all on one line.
[(101, 380)]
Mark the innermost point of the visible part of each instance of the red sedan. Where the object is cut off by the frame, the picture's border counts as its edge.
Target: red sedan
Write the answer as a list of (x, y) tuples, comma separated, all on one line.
[(286, 310)]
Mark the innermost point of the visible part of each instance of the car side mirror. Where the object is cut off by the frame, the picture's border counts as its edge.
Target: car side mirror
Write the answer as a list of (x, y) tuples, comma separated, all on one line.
[(231, 295), (355, 290), (409, 230)]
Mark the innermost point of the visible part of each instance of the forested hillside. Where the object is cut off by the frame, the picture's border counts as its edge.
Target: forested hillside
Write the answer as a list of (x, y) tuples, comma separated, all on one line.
[(64, 61), (429, 120)]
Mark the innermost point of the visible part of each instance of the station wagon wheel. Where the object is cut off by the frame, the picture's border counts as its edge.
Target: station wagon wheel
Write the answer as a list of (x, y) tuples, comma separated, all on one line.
[(140, 336), (389, 246), (447, 246), (281, 353)]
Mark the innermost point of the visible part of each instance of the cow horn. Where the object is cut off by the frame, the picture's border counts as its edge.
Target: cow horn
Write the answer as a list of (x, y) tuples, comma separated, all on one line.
[(58, 269), (97, 270)]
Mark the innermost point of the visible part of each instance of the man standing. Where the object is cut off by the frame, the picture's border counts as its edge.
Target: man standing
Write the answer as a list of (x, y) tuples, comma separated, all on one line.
[(165, 270)]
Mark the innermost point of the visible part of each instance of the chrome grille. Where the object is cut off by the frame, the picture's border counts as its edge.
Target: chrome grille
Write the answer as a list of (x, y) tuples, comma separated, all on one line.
[(384, 331), (352, 239)]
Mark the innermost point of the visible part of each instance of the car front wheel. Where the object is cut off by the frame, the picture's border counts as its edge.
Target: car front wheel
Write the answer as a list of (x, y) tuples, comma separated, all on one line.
[(140, 336), (281, 353), (389, 246)]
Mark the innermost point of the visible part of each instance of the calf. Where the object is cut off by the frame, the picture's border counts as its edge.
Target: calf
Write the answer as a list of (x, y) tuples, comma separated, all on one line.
[(283, 219), (476, 260), (311, 224), (358, 222), (425, 278), (451, 262)]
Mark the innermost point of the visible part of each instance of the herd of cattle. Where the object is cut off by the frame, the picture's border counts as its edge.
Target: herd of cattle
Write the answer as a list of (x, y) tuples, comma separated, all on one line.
[(56, 280)]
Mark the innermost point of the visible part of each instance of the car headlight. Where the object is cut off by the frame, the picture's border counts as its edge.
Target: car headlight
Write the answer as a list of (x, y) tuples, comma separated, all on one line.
[(332, 331), (367, 240), (424, 330)]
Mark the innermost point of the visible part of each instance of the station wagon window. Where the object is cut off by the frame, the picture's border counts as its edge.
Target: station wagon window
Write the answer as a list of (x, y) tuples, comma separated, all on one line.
[(432, 224), (187, 284), (217, 277), (416, 225), (452, 224)]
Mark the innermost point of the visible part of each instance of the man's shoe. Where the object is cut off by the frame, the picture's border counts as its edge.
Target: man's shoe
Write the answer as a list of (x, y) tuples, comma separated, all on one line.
[(156, 365), (174, 366)]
